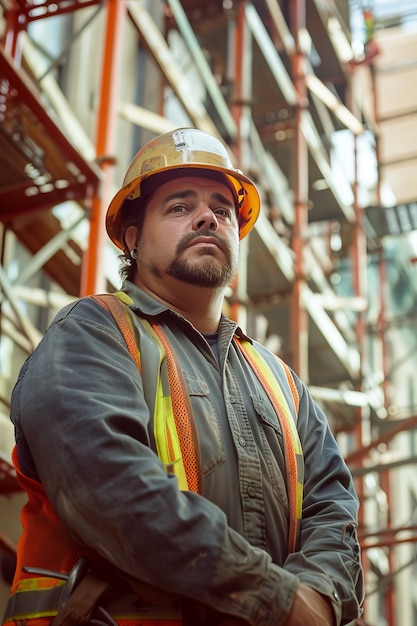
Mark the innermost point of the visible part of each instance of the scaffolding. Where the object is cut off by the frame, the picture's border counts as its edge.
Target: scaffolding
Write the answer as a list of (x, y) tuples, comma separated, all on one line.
[(277, 81)]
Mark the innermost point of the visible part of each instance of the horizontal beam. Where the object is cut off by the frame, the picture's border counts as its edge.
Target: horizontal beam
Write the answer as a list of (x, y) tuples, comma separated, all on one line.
[(383, 467), (165, 60), (397, 427)]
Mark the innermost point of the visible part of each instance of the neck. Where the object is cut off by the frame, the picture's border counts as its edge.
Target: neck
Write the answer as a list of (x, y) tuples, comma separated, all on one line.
[(201, 306)]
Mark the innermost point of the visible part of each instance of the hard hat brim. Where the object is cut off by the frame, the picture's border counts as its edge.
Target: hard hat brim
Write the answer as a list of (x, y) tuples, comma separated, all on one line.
[(248, 209)]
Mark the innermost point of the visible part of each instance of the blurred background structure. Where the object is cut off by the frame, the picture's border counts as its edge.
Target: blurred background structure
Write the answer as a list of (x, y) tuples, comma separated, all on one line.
[(317, 100)]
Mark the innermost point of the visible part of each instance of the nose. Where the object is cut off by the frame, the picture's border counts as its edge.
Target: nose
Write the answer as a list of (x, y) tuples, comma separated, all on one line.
[(205, 218)]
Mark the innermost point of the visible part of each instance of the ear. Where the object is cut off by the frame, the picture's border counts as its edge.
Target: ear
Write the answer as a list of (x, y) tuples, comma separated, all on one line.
[(131, 238)]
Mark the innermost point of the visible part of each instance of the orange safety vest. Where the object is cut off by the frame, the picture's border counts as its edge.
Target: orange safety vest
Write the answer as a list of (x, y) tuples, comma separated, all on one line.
[(34, 598)]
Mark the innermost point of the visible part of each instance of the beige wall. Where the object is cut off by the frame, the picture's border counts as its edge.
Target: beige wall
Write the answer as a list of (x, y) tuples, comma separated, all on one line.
[(396, 98)]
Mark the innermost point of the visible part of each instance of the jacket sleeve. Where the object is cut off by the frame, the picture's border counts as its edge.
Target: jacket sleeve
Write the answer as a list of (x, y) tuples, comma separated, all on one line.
[(328, 559), (79, 407)]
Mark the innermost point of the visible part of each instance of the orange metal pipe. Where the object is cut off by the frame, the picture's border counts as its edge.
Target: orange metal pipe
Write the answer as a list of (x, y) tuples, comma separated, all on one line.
[(356, 254), (383, 282), (238, 70), (358, 258), (15, 23), (385, 477), (357, 457), (383, 544), (298, 314), (385, 483), (237, 110), (92, 276), (390, 531)]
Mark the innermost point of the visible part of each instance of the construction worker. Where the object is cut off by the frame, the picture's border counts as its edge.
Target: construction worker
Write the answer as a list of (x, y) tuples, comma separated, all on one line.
[(176, 470)]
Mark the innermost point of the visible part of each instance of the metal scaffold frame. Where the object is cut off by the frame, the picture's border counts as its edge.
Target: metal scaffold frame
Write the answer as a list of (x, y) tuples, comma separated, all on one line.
[(300, 292)]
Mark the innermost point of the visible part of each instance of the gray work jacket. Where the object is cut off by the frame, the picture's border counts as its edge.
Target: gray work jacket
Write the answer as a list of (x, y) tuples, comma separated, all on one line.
[(83, 418)]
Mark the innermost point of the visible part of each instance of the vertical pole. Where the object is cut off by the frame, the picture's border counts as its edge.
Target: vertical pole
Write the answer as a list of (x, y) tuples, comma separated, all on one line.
[(92, 279), (15, 23), (383, 282), (359, 261), (385, 479), (298, 313), (389, 589), (242, 82), (357, 284)]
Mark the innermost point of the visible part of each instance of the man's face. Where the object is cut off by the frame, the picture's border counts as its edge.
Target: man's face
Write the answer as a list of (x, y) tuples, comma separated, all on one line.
[(190, 233)]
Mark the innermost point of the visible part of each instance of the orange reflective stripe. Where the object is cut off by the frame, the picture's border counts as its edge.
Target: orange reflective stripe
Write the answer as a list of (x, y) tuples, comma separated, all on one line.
[(113, 305), (180, 403), (40, 602), (182, 414), (292, 446), (291, 382)]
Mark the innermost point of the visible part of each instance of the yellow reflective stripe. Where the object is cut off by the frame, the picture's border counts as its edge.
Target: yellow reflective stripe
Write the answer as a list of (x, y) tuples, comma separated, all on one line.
[(165, 431), (39, 600), (299, 498), (166, 438), (123, 297), (272, 381), (16, 618), (292, 446), (34, 597), (42, 582)]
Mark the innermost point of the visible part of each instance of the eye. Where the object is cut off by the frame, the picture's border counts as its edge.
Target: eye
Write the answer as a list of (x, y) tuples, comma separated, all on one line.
[(177, 208), (223, 213)]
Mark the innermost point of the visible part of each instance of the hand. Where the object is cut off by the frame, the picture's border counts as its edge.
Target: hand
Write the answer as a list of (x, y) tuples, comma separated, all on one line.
[(309, 608)]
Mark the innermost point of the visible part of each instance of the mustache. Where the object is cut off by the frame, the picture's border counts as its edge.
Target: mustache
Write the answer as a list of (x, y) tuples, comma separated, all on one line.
[(187, 239)]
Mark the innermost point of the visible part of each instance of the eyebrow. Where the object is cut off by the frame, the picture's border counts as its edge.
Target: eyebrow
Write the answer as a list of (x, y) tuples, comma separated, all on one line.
[(187, 193)]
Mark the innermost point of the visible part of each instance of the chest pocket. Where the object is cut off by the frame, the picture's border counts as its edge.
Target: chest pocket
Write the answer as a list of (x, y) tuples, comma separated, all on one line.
[(271, 437), (266, 415), (207, 424)]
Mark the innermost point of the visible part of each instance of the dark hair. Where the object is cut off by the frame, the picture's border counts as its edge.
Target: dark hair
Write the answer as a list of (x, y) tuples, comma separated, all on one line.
[(135, 215), (127, 267)]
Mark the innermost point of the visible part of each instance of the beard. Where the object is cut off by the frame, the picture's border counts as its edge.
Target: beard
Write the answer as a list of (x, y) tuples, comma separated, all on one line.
[(208, 271)]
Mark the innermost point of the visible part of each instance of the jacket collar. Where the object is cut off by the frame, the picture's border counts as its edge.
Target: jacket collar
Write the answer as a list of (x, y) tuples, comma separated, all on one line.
[(148, 306), (142, 302)]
